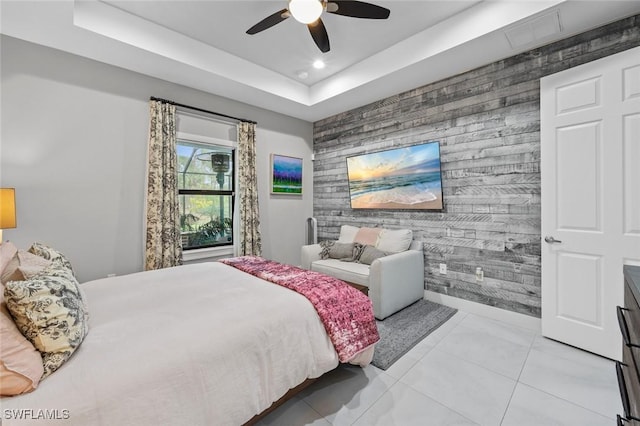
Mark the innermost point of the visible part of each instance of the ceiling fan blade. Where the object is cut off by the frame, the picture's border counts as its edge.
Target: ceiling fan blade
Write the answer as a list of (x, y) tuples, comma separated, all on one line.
[(319, 34), (357, 9), (269, 21)]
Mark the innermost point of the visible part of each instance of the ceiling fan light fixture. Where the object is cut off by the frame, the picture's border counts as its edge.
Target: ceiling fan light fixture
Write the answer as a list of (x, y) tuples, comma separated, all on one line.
[(305, 11)]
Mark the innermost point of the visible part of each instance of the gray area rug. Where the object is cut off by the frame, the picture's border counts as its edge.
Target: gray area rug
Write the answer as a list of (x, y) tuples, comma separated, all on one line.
[(406, 328)]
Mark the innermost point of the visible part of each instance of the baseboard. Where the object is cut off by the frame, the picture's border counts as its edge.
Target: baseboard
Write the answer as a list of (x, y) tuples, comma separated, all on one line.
[(520, 320)]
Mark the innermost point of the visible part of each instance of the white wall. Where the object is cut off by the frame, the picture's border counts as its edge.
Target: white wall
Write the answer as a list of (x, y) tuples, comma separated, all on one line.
[(73, 144), (286, 232)]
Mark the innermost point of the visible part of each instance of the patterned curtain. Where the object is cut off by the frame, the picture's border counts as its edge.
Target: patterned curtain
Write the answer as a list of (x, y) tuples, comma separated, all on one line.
[(250, 242), (163, 242)]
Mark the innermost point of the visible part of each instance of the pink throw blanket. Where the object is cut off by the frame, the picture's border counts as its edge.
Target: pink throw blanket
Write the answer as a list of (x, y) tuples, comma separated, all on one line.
[(346, 313)]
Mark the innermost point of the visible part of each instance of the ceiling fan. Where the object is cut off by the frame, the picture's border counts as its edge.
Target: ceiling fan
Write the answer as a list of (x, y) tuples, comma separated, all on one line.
[(309, 11)]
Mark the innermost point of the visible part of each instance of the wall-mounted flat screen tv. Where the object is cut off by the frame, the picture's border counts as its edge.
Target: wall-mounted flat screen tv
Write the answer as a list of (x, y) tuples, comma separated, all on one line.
[(406, 178)]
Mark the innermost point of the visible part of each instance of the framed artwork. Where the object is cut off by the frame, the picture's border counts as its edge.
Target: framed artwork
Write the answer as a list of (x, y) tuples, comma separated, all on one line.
[(286, 175), (407, 178)]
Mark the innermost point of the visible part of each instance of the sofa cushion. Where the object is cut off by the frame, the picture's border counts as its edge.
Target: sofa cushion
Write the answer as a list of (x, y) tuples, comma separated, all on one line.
[(367, 236), (348, 233), (395, 240), (357, 273)]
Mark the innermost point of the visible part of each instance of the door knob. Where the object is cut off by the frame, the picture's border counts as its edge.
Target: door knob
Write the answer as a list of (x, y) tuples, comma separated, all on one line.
[(549, 239)]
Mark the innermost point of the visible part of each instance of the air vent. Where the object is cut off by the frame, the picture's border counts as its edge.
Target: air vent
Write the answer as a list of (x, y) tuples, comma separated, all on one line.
[(534, 31)]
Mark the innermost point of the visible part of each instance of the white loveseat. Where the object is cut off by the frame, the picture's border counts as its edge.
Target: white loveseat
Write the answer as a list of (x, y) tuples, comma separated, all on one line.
[(394, 281)]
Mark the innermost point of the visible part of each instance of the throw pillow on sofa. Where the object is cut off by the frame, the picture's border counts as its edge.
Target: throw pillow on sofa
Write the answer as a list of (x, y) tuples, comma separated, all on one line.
[(347, 252), (369, 254), (367, 236), (395, 240), (348, 234)]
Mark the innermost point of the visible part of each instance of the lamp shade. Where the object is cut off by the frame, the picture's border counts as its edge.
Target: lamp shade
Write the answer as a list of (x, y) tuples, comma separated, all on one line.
[(7, 208)]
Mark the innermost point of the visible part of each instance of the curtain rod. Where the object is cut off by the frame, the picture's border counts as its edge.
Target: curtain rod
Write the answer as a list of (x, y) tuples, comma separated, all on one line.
[(153, 98)]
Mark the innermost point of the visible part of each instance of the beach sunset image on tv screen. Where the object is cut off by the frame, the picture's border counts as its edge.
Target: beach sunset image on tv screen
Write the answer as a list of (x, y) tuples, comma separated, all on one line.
[(401, 178)]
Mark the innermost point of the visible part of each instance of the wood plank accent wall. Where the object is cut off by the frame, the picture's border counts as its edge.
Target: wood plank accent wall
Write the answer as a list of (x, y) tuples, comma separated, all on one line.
[(488, 123)]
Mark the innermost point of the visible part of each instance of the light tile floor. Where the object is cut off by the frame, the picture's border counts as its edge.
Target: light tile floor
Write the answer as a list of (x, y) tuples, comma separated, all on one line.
[(471, 371)]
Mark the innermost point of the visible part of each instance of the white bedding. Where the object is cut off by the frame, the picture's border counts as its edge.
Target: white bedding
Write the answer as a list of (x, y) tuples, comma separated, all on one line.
[(201, 344)]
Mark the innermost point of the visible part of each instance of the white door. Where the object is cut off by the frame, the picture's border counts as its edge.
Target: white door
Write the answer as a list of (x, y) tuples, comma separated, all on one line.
[(590, 171)]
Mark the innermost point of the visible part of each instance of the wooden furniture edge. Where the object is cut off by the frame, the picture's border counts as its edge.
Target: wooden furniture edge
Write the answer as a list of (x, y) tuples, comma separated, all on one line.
[(362, 288)]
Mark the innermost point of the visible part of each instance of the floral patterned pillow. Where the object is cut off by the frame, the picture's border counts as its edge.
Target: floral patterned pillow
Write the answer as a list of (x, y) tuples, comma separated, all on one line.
[(51, 254), (50, 312)]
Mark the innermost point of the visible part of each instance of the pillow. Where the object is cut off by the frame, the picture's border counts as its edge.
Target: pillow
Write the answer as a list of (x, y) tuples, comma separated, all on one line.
[(367, 236), (50, 312), (20, 363), (395, 241), (54, 256), (7, 251), (24, 265), (335, 250), (348, 234), (48, 253), (369, 254)]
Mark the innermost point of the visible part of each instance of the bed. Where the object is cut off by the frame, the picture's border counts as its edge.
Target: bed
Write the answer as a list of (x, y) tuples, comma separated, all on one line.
[(201, 344)]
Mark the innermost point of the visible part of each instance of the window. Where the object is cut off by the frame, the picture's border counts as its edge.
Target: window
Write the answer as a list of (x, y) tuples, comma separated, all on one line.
[(206, 194)]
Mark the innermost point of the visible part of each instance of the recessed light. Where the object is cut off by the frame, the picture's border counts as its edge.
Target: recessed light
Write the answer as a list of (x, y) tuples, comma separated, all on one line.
[(303, 74), (318, 64)]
